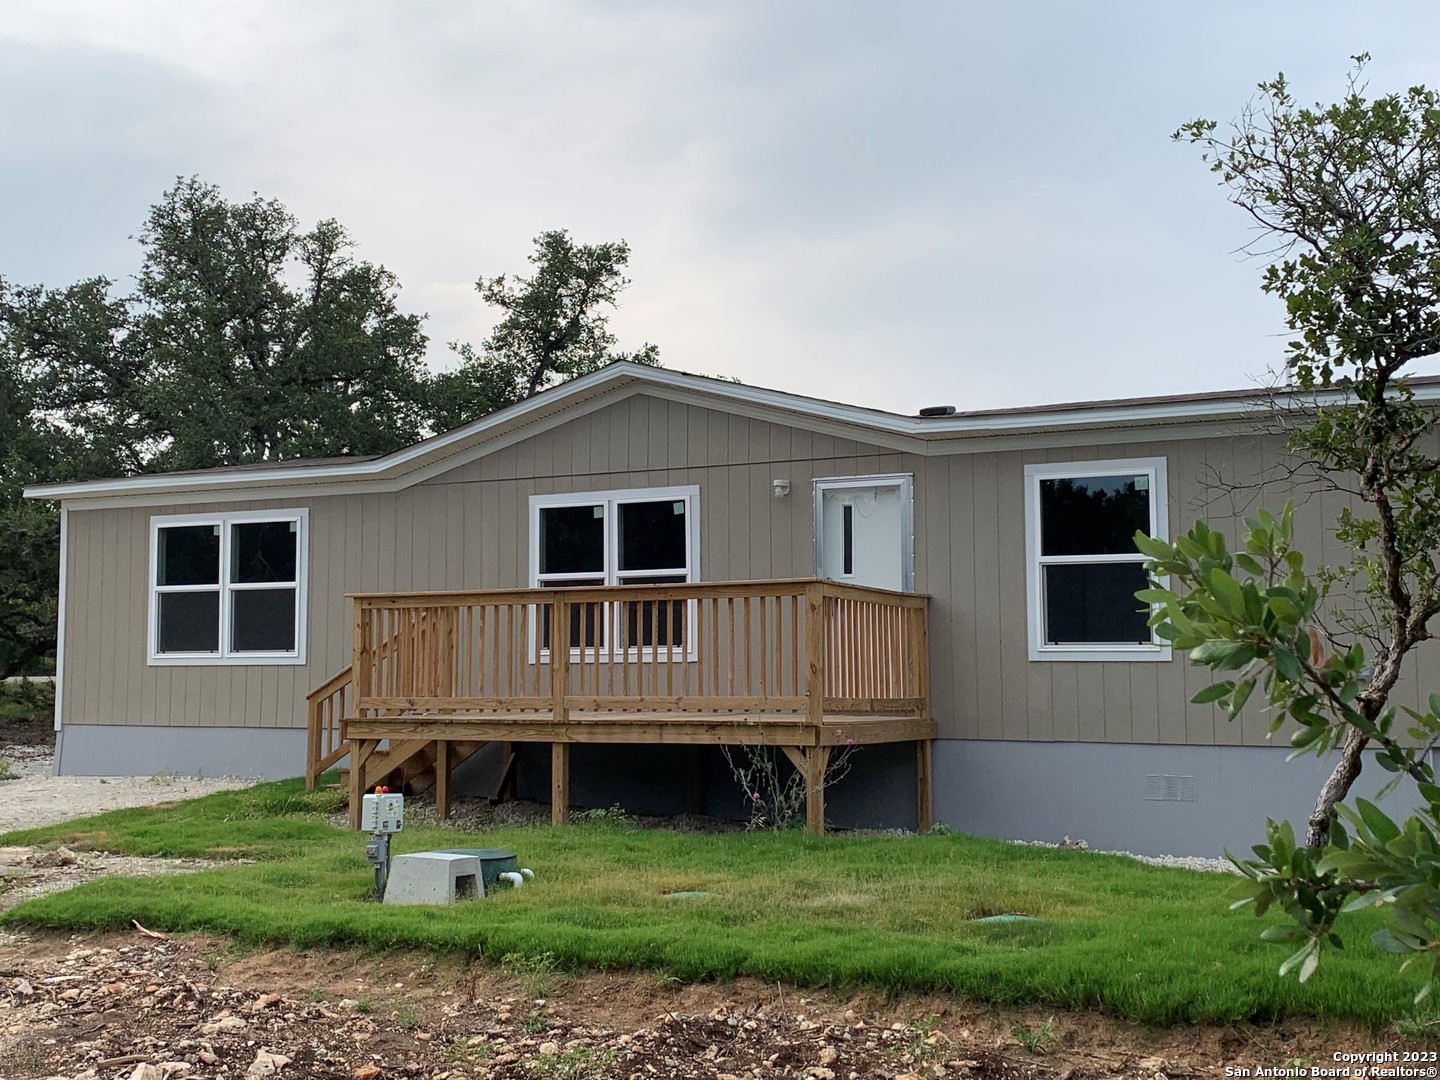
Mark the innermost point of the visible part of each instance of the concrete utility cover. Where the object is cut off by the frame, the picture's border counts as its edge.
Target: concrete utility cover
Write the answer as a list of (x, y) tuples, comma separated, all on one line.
[(433, 877)]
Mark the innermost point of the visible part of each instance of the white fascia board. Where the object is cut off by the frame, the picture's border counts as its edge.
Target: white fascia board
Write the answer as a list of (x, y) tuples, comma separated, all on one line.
[(288, 476), (891, 430)]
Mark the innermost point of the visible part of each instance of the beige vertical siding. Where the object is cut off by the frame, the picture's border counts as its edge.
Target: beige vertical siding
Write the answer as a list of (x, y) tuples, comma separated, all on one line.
[(468, 527)]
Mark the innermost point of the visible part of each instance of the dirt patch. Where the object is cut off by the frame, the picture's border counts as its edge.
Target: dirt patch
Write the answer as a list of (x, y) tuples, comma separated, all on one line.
[(36, 798), (192, 1007), (27, 872)]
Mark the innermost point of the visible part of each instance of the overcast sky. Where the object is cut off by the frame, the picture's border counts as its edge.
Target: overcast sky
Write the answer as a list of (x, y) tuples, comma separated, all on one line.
[(893, 204)]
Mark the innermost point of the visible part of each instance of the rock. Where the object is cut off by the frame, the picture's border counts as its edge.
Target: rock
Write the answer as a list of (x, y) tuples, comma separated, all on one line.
[(176, 1068), (366, 1072), (829, 1055), (207, 1057), (265, 1001), (223, 1024), (267, 1063), (1152, 1064), (819, 1072), (61, 856), (549, 1048), (146, 1071)]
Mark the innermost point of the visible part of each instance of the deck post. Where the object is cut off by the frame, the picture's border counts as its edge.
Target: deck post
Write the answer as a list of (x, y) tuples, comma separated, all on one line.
[(924, 772), (360, 657), (815, 652), (559, 661), (817, 760), (559, 783), (442, 779), (361, 750)]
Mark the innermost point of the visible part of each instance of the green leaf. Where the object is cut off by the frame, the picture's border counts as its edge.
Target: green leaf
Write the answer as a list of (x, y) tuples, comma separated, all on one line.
[(1381, 827), (1249, 564), (1387, 941), (1213, 692), (1283, 607), (1226, 591), (1287, 664), (1242, 695), (1155, 548)]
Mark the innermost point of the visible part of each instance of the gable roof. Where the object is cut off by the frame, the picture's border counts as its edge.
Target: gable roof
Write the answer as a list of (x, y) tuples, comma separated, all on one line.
[(924, 435)]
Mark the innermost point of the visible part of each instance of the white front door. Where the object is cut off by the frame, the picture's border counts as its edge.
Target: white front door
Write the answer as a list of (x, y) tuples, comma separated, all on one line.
[(864, 531)]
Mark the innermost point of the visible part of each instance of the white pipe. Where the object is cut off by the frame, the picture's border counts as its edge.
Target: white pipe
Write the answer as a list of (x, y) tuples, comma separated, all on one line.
[(529, 874), (512, 877)]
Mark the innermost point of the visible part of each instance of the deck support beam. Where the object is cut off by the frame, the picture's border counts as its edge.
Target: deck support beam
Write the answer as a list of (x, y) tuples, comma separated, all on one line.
[(559, 783), (442, 779), (924, 785), (811, 762)]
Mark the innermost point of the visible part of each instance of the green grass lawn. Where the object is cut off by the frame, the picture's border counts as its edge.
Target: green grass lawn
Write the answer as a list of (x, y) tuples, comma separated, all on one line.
[(1142, 942)]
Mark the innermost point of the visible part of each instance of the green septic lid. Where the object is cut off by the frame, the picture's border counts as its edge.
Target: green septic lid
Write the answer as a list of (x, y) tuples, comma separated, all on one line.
[(1006, 918), (493, 861)]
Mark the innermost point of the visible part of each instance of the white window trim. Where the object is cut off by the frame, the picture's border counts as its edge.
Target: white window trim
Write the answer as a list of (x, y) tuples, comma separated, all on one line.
[(611, 572), (905, 484), (1155, 468), (156, 658)]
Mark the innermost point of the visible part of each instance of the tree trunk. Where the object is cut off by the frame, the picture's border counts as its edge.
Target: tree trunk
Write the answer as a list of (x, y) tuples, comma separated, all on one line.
[(1347, 770)]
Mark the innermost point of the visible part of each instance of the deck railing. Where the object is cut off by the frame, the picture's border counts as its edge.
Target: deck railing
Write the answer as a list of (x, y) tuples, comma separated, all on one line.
[(799, 648)]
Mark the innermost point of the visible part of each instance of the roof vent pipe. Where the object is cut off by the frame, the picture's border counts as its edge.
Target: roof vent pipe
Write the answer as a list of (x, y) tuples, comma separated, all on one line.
[(938, 410)]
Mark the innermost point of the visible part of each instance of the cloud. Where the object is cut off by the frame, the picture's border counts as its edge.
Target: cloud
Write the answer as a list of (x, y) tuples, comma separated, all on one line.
[(890, 204)]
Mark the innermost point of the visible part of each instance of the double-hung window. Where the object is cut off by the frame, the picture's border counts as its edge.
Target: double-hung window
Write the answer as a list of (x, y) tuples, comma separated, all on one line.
[(228, 588), (1083, 566), (646, 536)]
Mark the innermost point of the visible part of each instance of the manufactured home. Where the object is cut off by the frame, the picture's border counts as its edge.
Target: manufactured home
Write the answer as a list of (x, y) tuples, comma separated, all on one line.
[(587, 596)]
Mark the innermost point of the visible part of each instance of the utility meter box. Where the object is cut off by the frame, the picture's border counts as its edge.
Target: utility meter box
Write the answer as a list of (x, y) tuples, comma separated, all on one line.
[(382, 813)]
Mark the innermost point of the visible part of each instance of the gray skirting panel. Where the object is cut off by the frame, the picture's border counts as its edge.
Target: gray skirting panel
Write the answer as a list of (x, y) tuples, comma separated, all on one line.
[(135, 750), (1151, 800)]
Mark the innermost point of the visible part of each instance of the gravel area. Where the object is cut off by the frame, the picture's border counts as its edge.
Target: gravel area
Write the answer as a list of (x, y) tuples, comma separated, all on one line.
[(36, 798), (1183, 862)]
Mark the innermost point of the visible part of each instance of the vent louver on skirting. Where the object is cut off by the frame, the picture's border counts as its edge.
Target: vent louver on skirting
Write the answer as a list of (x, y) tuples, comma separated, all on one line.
[(1168, 787)]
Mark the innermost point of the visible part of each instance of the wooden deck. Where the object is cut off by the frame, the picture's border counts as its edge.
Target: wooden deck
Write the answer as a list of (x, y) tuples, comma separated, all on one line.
[(802, 665)]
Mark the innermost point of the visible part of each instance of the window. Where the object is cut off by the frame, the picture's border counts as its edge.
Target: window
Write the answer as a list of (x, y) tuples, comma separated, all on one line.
[(1083, 567), (228, 588), (648, 536)]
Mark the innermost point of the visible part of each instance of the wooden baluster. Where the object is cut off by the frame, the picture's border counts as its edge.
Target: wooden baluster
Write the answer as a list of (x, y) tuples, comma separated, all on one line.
[(714, 646), (654, 650), (872, 654), (620, 647), (764, 647), (559, 663), (522, 653), (732, 661), (669, 615), (745, 645)]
